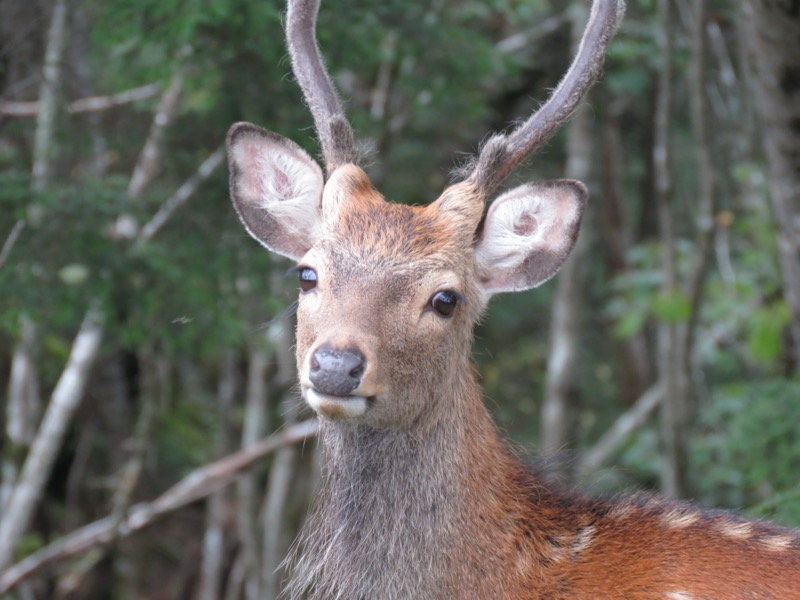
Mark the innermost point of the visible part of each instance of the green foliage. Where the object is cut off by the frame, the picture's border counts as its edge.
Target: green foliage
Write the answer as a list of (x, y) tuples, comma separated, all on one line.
[(62, 259), (671, 306), (510, 350), (181, 441), (637, 295), (29, 543), (765, 341), (750, 448)]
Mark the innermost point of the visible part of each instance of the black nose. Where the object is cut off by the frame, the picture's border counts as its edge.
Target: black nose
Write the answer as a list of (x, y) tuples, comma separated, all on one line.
[(336, 372)]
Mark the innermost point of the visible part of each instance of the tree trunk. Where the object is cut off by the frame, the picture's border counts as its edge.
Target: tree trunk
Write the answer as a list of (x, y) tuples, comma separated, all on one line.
[(215, 540), (149, 159), (48, 96), (39, 462), (276, 535), (632, 353), (559, 405), (774, 40), (22, 410), (707, 197), (670, 362), (254, 427), (84, 77)]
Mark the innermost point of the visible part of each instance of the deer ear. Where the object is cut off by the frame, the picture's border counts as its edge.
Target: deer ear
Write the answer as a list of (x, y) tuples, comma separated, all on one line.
[(276, 188), (528, 233)]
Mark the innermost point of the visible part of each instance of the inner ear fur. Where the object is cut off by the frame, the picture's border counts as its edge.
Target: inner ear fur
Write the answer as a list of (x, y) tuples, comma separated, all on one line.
[(276, 188), (528, 233)]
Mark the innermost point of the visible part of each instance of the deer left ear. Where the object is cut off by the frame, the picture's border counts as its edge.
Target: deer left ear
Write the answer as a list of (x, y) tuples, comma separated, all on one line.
[(528, 233), (276, 188)]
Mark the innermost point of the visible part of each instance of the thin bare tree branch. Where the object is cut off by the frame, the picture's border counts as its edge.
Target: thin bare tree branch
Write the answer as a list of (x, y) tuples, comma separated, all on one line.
[(22, 409), (732, 94), (379, 98), (39, 462), (121, 501), (24, 406), (524, 39), (147, 166), (48, 94), (196, 485), (628, 422), (11, 108), (12, 238), (181, 195)]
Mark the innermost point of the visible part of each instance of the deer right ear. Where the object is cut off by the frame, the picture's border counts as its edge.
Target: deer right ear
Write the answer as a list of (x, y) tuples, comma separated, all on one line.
[(276, 188), (528, 233)]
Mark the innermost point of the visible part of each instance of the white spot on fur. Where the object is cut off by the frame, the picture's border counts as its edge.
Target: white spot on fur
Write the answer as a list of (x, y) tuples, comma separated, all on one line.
[(523, 563), (679, 595), (778, 543), (739, 531), (582, 541), (678, 519), (621, 511)]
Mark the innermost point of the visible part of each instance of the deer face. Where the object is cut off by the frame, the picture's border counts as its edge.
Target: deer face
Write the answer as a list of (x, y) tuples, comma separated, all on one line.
[(390, 293)]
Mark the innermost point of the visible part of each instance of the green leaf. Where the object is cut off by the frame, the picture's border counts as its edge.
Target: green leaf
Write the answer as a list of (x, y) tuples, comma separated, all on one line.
[(765, 340), (630, 324), (673, 306)]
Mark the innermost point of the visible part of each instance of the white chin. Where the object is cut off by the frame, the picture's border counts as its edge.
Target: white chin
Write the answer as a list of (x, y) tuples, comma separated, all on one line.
[(336, 407)]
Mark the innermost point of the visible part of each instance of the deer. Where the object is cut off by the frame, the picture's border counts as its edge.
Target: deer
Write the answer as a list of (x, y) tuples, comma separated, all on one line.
[(421, 497)]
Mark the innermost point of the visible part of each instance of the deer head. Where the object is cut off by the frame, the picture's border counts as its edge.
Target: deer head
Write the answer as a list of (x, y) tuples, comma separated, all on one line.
[(389, 292)]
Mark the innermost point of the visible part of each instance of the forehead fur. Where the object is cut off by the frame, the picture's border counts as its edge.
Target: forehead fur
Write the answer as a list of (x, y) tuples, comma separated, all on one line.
[(368, 227), (394, 228)]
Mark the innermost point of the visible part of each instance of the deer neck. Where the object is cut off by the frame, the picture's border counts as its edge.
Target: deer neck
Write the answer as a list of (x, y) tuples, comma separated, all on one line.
[(412, 511)]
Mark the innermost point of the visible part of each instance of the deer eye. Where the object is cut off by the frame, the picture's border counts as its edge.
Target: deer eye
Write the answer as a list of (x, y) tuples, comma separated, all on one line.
[(308, 278), (444, 302)]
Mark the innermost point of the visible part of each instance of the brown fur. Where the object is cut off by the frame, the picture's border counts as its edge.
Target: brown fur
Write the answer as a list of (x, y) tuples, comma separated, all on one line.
[(422, 499)]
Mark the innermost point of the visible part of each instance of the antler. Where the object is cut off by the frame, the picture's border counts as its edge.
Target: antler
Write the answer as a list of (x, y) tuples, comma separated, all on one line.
[(334, 131), (503, 152)]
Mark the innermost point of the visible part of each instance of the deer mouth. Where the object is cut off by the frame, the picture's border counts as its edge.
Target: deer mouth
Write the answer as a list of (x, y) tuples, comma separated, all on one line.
[(336, 407)]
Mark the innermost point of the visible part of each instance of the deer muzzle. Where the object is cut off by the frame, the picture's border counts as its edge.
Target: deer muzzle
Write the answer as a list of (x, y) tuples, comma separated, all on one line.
[(335, 374)]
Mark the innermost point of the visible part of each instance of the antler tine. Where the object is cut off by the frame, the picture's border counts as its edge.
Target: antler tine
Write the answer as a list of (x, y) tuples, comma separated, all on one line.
[(502, 152), (333, 130)]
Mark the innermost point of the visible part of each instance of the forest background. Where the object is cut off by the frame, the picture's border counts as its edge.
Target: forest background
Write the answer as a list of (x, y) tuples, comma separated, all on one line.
[(145, 338)]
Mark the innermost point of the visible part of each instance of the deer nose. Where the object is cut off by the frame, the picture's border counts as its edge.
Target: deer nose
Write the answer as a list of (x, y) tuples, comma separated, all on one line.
[(336, 372)]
